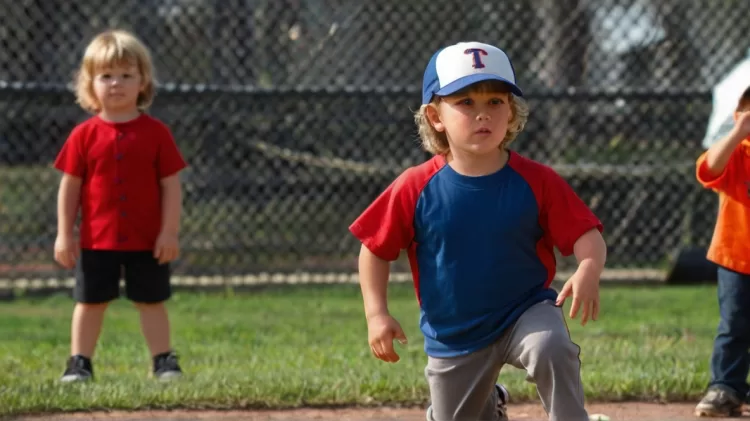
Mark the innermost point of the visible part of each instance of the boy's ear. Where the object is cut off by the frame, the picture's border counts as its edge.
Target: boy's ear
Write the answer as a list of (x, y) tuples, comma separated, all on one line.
[(433, 116)]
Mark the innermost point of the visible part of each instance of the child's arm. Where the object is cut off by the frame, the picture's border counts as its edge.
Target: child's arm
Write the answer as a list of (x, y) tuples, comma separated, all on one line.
[(167, 245), (591, 253), (384, 229), (171, 202), (381, 326), (373, 279), (719, 154), (68, 198)]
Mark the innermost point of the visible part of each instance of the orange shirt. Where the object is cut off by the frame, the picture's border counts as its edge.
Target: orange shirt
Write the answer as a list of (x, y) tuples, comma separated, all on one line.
[(730, 245)]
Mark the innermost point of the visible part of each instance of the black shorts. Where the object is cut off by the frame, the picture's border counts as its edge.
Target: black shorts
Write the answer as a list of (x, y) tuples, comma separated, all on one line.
[(98, 275)]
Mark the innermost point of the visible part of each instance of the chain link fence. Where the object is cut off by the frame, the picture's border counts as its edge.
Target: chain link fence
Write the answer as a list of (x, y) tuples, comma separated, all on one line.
[(295, 114)]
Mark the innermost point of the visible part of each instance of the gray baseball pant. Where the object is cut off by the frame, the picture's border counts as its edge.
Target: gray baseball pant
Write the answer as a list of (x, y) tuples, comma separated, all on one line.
[(462, 388)]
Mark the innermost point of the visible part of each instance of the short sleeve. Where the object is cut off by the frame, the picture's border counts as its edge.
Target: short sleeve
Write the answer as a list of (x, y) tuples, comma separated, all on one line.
[(170, 159), (566, 216), (386, 226), (724, 179), (71, 159)]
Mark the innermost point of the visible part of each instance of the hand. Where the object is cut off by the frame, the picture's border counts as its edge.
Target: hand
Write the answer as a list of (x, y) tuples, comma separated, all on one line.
[(167, 247), (382, 330), (742, 124), (584, 287), (66, 251)]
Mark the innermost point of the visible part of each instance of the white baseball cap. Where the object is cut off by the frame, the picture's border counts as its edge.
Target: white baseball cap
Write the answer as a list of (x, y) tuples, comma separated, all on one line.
[(457, 66)]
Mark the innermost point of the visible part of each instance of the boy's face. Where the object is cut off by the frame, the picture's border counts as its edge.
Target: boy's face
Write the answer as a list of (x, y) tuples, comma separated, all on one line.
[(117, 87), (474, 121)]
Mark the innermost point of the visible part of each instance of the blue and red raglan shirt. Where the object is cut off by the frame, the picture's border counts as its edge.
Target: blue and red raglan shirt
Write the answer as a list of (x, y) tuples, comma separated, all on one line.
[(480, 248)]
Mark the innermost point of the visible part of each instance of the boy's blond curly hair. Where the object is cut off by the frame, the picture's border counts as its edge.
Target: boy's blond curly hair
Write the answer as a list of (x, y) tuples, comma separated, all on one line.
[(436, 142), (113, 48)]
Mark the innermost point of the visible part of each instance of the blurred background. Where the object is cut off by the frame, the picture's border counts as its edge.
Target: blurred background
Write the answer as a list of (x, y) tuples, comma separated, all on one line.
[(295, 114)]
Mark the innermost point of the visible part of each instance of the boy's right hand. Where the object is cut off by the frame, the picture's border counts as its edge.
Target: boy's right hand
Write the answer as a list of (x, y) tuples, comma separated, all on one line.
[(742, 125), (382, 330), (66, 251)]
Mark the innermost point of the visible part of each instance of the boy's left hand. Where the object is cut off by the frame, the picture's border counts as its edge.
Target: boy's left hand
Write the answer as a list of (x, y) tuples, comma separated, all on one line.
[(167, 247), (584, 287)]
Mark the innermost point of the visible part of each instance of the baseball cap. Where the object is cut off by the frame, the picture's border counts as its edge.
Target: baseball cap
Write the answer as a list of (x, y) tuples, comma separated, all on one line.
[(457, 66)]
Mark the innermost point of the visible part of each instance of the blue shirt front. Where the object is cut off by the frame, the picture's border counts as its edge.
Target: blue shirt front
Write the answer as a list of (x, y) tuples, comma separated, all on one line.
[(481, 249), (479, 270)]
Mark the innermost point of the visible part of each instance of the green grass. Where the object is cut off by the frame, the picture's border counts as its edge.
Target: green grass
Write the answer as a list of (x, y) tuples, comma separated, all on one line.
[(308, 346)]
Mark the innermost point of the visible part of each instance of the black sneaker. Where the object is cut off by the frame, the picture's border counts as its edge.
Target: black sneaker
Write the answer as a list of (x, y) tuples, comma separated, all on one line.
[(503, 397), (719, 402), (79, 369), (166, 367)]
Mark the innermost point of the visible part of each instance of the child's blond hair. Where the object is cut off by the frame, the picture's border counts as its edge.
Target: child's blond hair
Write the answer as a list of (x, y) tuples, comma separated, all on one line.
[(436, 142), (113, 48)]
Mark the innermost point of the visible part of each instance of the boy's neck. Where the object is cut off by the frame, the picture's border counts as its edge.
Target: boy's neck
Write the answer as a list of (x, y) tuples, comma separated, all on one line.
[(478, 165), (118, 116)]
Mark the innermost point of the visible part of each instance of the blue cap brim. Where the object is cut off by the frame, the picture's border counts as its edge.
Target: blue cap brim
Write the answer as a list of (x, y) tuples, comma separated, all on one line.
[(465, 81)]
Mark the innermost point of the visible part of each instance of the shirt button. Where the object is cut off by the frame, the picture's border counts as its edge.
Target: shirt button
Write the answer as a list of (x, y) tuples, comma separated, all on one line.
[(120, 136), (122, 239), (118, 156), (123, 213), (122, 198), (119, 180)]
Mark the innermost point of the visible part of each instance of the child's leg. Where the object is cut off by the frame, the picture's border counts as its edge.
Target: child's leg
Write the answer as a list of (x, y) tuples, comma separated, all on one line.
[(85, 328), (155, 327), (148, 286), (540, 344), (463, 388), (97, 283), (730, 361)]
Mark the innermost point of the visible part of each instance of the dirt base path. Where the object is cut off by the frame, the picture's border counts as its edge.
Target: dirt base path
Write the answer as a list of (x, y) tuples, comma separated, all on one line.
[(522, 412)]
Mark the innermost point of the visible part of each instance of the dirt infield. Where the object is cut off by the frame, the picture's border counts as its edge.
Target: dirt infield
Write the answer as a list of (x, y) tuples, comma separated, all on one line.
[(525, 412)]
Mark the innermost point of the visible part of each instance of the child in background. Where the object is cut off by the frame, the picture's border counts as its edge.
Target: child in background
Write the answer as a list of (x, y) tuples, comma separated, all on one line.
[(120, 167), (725, 168)]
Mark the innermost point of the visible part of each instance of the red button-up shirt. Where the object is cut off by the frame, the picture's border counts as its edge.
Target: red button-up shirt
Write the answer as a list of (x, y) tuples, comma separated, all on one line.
[(121, 165)]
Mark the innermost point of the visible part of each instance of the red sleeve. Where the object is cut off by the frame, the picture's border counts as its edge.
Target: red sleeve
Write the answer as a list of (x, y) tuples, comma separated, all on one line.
[(386, 226), (564, 215), (170, 158), (70, 159), (726, 178)]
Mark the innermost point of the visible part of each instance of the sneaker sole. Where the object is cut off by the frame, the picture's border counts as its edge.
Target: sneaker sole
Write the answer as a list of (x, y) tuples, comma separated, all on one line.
[(169, 376), (74, 379), (713, 413)]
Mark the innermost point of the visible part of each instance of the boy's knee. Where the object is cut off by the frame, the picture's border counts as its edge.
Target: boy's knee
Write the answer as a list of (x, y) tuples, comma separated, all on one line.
[(551, 346)]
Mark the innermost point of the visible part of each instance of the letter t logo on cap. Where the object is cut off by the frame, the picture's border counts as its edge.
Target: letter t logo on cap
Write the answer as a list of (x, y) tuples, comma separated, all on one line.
[(478, 53)]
